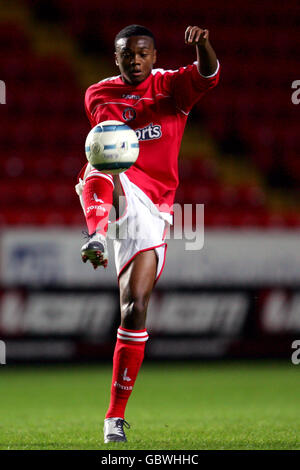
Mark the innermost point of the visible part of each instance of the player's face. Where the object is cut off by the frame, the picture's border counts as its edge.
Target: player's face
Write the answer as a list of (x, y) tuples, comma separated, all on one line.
[(135, 57)]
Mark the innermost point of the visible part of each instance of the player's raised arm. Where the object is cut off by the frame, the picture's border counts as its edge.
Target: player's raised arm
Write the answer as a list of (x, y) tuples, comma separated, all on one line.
[(206, 57)]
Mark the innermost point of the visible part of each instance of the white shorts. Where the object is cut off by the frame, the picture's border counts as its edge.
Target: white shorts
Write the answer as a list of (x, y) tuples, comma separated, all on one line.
[(141, 228)]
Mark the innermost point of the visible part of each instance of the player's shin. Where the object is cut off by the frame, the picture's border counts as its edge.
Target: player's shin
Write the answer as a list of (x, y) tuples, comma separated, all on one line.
[(97, 199), (127, 360)]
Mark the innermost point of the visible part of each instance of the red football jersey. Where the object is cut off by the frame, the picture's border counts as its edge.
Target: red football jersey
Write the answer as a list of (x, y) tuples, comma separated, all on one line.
[(157, 109)]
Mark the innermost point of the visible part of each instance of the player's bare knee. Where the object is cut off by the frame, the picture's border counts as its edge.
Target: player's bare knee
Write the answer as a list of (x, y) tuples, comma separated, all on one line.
[(134, 314)]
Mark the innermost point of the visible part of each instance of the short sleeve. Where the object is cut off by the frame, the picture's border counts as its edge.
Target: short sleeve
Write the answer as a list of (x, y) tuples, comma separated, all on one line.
[(88, 104), (187, 85)]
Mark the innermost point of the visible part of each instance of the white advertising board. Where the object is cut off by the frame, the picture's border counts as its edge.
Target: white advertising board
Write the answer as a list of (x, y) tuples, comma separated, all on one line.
[(39, 257)]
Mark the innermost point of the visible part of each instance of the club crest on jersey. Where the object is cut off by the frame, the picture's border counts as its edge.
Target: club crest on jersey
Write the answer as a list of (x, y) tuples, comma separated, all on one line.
[(129, 114), (150, 132)]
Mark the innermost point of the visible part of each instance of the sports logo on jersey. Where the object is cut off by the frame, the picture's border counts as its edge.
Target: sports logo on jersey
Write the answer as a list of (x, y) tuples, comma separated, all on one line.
[(130, 97), (129, 114), (150, 132)]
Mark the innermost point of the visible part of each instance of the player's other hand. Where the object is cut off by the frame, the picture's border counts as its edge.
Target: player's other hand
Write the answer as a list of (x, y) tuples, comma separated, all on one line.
[(195, 36)]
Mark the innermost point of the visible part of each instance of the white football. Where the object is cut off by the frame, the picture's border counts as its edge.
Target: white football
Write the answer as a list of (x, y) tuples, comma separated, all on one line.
[(112, 147)]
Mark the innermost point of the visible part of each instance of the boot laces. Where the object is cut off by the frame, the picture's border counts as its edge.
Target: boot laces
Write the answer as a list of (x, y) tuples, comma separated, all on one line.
[(120, 423)]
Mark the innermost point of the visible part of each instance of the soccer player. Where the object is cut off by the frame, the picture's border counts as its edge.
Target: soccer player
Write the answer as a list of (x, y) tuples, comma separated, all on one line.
[(156, 104)]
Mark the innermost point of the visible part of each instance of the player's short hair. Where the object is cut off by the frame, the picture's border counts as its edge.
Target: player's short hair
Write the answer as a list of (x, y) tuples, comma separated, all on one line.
[(134, 30)]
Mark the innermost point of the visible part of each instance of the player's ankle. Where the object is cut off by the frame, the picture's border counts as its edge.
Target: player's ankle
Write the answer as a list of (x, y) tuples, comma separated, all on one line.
[(94, 231)]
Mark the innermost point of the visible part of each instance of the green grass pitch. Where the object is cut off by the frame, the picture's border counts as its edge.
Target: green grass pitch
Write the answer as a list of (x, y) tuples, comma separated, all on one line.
[(185, 406)]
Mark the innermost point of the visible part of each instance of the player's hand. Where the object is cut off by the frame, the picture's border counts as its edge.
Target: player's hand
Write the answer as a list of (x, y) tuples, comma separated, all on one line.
[(195, 36)]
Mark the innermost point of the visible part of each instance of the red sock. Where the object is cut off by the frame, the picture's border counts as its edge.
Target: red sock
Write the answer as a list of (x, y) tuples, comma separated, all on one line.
[(127, 360), (97, 199)]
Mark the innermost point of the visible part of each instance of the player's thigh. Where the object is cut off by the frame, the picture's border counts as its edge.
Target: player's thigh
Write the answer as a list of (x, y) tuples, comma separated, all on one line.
[(136, 283), (119, 199)]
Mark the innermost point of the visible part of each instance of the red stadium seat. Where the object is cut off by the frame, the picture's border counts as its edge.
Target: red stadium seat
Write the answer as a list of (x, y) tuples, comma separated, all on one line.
[(44, 145)]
